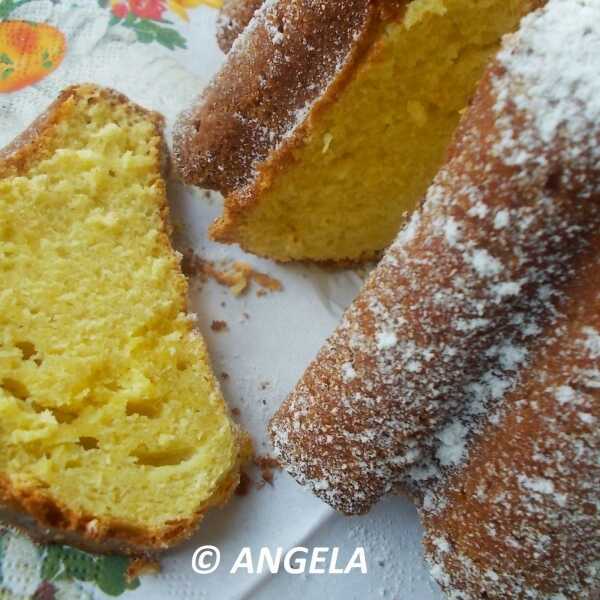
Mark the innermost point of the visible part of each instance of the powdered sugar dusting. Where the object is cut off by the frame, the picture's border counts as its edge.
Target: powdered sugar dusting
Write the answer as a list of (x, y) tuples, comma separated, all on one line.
[(560, 89), (592, 341), (308, 49), (447, 338), (386, 340), (542, 453)]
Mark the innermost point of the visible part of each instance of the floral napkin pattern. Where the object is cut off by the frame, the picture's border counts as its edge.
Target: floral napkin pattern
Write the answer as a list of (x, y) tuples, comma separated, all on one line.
[(30, 51), (149, 18), (55, 572)]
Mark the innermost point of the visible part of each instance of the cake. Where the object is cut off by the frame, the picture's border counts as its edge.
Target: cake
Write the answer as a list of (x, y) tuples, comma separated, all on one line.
[(234, 15), (114, 434), (467, 371), (329, 119), (520, 518)]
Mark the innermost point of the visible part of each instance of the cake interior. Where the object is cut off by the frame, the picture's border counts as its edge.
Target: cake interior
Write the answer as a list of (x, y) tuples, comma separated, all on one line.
[(369, 157), (107, 401)]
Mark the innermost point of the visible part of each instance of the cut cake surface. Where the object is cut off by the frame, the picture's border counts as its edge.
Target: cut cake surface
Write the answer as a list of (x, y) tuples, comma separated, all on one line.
[(114, 435), (329, 119)]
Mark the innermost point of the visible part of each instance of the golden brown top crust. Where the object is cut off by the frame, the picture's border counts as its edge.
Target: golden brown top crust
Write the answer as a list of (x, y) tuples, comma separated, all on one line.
[(46, 520), (290, 52), (523, 509), (233, 18)]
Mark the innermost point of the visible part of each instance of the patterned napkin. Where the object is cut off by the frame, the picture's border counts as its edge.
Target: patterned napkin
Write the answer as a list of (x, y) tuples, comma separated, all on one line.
[(51, 572), (135, 46)]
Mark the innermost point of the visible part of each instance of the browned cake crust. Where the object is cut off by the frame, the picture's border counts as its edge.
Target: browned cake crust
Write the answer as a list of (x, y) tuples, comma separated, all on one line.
[(34, 511), (522, 514), (233, 18), (287, 56), (437, 316), (448, 376), (45, 520)]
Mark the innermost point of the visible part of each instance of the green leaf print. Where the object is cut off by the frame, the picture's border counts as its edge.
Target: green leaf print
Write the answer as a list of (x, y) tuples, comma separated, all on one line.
[(52, 568), (170, 38), (3, 539), (148, 32), (112, 575), (7, 6), (63, 563)]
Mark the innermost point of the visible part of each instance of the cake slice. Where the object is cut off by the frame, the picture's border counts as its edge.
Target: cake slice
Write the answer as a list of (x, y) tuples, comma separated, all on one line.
[(330, 118), (114, 435)]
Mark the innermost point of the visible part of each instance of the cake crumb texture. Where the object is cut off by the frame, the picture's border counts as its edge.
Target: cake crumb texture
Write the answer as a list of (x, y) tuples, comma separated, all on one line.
[(113, 430)]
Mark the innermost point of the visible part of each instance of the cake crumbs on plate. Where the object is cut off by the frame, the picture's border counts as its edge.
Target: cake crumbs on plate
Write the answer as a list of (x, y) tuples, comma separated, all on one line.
[(142, 566), (237, 275), (218, 326), (266, 464), (266, 282)]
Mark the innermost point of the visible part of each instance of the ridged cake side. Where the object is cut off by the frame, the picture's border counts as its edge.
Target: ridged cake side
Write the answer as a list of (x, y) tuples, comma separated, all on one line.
[(519, 518), (233, 18), (290, 52), (467, 371)]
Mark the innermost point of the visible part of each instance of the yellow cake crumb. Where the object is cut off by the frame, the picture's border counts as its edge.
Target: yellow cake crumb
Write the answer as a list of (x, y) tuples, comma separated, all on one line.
[(108, 404)]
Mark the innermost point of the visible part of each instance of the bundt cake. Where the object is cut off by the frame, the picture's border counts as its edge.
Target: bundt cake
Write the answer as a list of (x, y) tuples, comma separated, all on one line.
[(330, 118), (114, 435), (467, 371)]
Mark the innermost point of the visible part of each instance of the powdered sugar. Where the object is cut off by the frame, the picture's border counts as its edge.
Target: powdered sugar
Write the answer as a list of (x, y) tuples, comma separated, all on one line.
[(484, 263), (386, 340), (592, 341), (452, 449), (348, 372), (564, 394), (501, 219), (556, 80), (539, 486), (455, 336)]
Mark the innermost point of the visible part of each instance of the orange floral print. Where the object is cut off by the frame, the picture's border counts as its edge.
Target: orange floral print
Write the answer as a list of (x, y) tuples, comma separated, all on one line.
[(28, 53)]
